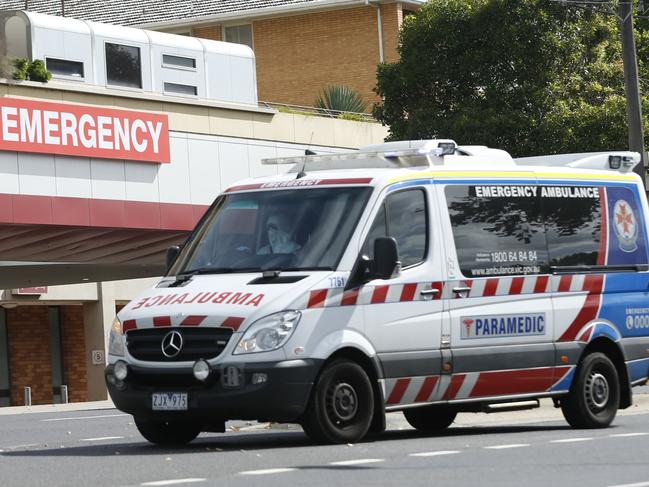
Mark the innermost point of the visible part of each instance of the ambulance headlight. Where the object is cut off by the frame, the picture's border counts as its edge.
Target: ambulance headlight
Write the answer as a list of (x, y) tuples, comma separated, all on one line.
[(116, 339), (269, 333)]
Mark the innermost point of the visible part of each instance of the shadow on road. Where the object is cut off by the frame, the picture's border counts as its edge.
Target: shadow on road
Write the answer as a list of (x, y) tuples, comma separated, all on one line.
[(253, 441)]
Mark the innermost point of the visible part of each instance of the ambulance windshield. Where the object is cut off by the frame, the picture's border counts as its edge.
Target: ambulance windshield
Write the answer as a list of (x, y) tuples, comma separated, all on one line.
[(296, 229)]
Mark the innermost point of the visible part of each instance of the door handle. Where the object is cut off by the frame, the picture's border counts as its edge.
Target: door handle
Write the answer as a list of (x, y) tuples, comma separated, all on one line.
[(460, 290), (429, 292)]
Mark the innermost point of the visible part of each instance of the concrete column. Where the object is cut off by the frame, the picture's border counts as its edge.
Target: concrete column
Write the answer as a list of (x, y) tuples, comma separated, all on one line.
[(98, 317)]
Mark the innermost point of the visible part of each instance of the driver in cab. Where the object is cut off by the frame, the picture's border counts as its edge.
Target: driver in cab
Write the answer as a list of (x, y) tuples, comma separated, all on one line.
[(279, 236)]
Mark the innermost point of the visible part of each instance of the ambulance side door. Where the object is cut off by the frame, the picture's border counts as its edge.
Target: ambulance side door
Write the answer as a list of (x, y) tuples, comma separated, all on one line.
[(404, 315), (498, 292)]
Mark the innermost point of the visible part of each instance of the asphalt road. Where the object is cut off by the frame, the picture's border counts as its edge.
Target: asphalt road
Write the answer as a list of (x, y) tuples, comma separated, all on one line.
[(103, 448)]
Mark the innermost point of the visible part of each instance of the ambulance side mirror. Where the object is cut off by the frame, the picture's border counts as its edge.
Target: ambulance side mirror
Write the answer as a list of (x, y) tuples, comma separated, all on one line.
[(386, 263), (172, 253)]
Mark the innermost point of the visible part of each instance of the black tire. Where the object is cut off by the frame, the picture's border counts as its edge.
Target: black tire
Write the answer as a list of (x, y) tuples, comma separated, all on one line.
[(430, 419), (594, 396), (341, 406), (167, 433)]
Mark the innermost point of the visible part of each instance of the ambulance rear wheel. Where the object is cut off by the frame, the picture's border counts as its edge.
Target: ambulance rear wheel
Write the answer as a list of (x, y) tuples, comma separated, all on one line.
[(594, 396), (341, 406), (430, 419), (167, 433)]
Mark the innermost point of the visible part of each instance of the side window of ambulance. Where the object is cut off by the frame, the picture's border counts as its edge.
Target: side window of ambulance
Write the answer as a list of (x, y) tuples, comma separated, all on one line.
[(573, 219), (498, 229), (403, 216)]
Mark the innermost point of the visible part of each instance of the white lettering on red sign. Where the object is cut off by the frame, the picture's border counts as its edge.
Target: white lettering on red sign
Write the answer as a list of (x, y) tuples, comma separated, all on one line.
[(76, 130)]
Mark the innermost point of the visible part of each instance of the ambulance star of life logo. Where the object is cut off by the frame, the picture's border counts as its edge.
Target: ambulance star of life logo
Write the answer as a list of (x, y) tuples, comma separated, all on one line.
[(626, 227)]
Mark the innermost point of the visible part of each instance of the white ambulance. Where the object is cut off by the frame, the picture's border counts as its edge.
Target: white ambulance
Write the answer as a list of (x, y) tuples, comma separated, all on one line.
[(420, 276)]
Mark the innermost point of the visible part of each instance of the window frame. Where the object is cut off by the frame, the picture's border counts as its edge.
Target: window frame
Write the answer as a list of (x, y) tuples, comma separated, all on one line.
[(382, 204), (66, 76), (174, 93), (224, 30), (178, 66), (123, 87)]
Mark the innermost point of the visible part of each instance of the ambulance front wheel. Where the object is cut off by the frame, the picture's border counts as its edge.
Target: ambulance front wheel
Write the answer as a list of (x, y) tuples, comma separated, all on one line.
[(341, 406), (167, 433), (430, 419), (594, 396)]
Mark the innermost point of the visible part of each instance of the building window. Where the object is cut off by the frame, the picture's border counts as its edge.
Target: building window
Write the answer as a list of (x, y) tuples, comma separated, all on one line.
[(65, 67), (5, 385), (123, 65), (171, 61), (239, 34), (179, 89)]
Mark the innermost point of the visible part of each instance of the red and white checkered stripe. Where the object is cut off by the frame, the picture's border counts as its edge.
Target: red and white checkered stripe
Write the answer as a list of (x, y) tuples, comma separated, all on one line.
[(233, 322), (496, 286), (412, 390)]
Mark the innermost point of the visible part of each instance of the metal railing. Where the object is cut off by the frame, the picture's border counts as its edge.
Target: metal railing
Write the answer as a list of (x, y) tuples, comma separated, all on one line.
[(319, 112)]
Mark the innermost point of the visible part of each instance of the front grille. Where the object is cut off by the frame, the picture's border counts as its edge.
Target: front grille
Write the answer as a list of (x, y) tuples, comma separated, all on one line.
[(206, 343)]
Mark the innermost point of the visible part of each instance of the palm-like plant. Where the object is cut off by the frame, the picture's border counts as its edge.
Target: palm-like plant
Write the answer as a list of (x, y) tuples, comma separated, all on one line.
[(340, 98)]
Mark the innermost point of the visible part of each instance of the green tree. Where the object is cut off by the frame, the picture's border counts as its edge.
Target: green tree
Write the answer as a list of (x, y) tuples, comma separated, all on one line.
[(528, 76)]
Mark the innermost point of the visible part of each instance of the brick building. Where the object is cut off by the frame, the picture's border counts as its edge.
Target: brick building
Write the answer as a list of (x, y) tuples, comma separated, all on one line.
[(301, 46)]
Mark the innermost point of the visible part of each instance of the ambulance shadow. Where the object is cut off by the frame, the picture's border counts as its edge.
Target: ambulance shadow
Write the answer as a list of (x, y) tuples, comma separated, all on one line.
[(254, 442), (228, 442)]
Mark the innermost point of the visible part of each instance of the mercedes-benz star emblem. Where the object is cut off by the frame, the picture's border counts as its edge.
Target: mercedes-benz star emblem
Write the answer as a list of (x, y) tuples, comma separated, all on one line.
[(172, 343)]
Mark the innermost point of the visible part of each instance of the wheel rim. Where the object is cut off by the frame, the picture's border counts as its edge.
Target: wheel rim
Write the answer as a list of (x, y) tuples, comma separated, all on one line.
[(342, 403), (597, 391)]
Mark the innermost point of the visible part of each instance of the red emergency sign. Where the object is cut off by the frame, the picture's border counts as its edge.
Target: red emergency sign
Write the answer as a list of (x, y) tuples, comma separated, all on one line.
[(77, 130)]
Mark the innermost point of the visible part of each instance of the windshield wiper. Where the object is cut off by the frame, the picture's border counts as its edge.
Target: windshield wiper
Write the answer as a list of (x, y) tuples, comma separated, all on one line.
[(183, 277)]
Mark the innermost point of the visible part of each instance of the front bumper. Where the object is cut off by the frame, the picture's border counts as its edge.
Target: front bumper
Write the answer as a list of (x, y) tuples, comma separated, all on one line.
[(282, 397)]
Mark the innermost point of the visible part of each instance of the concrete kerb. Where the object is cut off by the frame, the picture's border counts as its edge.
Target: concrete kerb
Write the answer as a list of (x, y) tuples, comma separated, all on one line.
[(58, 408)]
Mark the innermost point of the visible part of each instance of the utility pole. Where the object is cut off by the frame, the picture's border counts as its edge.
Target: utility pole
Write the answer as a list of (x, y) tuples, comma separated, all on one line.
[(631, 85), (624, 14)]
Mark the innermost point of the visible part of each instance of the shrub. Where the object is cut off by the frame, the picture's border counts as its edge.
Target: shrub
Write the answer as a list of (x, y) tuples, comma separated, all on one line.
[(37, 71), (21, 65), (341, 99)]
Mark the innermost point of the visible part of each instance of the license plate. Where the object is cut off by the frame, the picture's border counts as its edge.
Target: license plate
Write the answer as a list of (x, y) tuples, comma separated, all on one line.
[(169, 401)]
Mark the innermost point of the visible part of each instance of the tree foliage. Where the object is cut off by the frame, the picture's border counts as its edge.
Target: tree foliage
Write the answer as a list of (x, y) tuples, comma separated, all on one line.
[(528, 76)]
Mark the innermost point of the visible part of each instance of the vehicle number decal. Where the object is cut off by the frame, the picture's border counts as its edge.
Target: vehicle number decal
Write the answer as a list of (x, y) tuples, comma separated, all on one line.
[(337, 281)]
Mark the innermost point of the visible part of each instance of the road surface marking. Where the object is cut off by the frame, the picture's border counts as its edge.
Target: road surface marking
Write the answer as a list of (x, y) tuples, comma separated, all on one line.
[(434, 453), (84, 417), (360, 461), (624, 435), (502, 447), (570, 440), (172, 482), (103, 438), (267, 471), (15, 447), (639, 484)]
